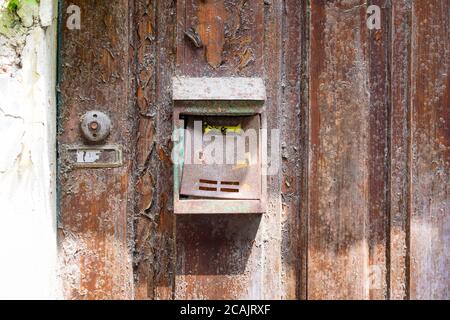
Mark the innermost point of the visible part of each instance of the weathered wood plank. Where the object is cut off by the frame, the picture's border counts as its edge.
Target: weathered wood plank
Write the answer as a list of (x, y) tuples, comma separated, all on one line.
[(271, 220), (94, 234), (400, 150), (378, 169), (294, 150), (211, 29), (161, 235), (217, 257), (430, 167), (339, 141), (143, 37)]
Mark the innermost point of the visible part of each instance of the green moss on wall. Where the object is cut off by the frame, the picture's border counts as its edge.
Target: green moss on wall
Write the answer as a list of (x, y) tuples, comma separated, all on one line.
[(13, 6), (16, 14)]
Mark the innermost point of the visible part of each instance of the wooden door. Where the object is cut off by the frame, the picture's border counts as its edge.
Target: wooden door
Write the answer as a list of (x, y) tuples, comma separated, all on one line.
[(360, 206)]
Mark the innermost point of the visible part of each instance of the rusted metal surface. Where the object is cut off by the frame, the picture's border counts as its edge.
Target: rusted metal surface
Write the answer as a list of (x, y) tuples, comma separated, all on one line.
[(237, 88), (206, 110), (94, 233), (430, 151), (248, 172)]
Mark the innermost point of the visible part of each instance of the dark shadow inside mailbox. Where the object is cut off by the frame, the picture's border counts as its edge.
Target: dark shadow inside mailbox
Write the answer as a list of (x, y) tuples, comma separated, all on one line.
[(222, 157)]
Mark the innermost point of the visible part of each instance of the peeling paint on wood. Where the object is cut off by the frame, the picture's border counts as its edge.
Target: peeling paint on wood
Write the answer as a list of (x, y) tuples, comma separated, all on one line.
[(430, 151), (95, 223), (360, 207), (339, 141), (211, 28), (398, 276), (237, 38), (294, 150)]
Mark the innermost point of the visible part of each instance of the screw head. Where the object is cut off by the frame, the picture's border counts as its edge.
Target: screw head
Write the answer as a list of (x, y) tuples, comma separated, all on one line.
[(93, 125)]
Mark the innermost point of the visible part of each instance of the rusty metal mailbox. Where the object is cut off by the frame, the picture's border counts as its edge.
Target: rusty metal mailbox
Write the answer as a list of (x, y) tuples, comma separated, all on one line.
[(220, 146)]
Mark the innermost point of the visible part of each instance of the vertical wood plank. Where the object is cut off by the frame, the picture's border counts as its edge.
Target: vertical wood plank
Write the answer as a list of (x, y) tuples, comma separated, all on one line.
[(378, 170), (94, 236), (339, 141), (220, 257), (144, 38), (400, 150), (430, 168), (162, 239), (293, 132), (271, 220)]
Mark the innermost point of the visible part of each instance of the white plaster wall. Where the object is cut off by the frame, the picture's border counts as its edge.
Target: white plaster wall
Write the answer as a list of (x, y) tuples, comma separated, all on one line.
[(28, 249)]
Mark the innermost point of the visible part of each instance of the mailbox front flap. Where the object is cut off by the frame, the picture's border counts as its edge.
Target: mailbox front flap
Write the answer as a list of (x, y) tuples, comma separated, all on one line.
[(239, 180), (218, 181)]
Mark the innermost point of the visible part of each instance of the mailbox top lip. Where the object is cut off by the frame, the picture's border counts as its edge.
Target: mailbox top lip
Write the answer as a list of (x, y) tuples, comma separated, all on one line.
[(218, 88)]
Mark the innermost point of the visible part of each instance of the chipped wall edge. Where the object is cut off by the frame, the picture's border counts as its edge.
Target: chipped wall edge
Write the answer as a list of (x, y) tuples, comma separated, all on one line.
[(28, 246)]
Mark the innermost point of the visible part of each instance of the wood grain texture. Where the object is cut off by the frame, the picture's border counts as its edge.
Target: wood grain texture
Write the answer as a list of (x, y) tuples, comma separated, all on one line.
[(94, 234), (236, 27), (155, 237), (144, 32), (339, 203), (218, 257), (211, 28), (378, 163), (271, 220), (430, 136), (294, 149), (400, 146)]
